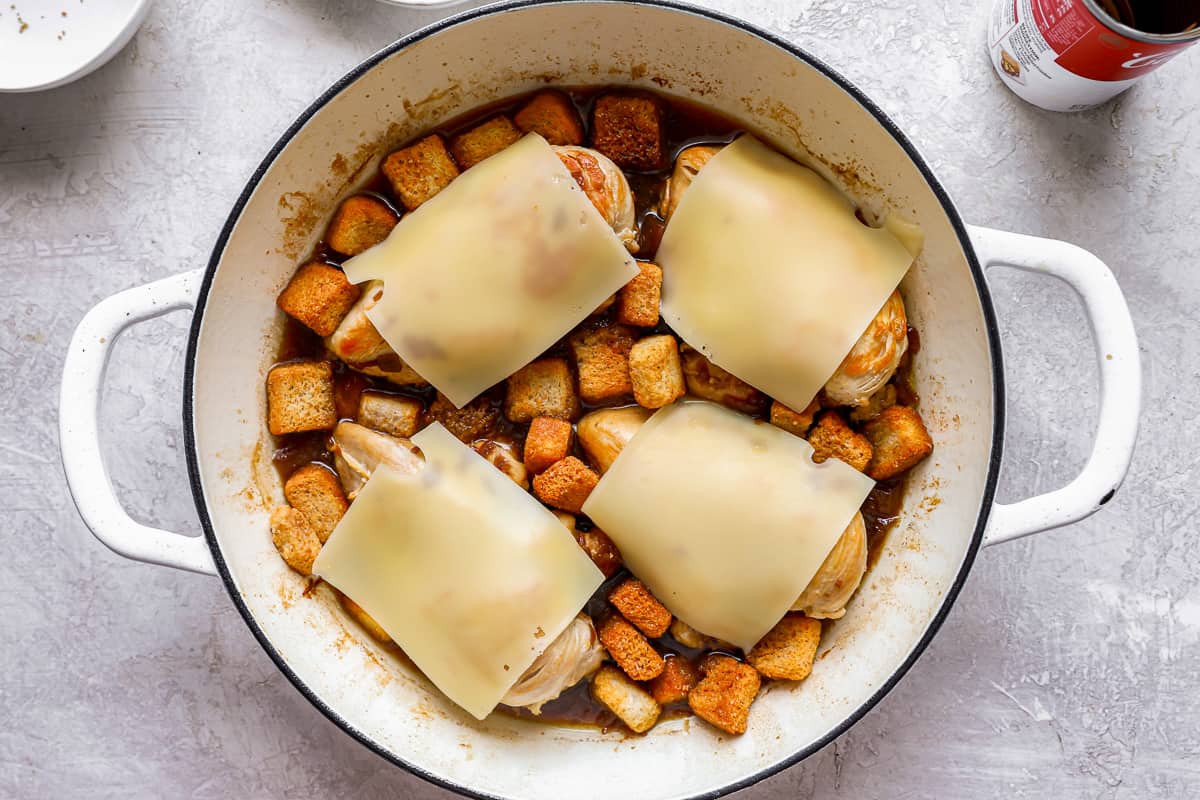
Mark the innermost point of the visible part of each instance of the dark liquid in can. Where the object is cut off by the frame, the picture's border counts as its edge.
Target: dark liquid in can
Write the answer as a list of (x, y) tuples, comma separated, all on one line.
[(1155, 16)]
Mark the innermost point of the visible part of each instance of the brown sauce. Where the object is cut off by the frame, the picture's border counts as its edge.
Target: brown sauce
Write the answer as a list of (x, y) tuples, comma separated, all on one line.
[(685, 124)]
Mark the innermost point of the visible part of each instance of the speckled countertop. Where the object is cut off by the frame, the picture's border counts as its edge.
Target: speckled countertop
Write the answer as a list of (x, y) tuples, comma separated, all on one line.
[(1070, 666)]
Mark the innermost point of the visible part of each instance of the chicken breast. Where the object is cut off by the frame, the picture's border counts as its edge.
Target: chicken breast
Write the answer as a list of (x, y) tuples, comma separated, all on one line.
[(873, 360), (570, 658), (687, 165), (358, 451), (357, 342), (605, 185), (831, 588), (604, 433)]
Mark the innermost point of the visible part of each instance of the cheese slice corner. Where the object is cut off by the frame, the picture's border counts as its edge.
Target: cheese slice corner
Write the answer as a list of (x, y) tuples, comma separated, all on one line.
[(493, 270), (759, 237), (726, 519), (469, 575)]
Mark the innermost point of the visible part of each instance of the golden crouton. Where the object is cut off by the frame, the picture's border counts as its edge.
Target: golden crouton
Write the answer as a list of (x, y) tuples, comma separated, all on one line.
[(638, 300), (723, 696), (628, 129), (476, 420), (565, 484), (551, 115), (678, 678), (630, 649), (544, 388), (390, 413), (318, 296), (832, 437), (420, 171), (632, 704), (709, 382), (788, 649), (316, 492), (300, 397), (792, 421), (547, 441), (602, 355), (900, 440), (364, 619), (360, 223), (639, 606), (655, 371), (600, 549), (294, 538), (482, 141), (505, 460)]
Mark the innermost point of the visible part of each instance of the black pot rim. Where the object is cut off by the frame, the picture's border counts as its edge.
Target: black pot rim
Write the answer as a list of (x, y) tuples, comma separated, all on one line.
[(718, 17)]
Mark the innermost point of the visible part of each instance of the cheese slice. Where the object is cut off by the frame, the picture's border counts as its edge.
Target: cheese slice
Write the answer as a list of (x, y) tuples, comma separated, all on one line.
[(759, 238), (469, 575), (492, 271), (726, 519)]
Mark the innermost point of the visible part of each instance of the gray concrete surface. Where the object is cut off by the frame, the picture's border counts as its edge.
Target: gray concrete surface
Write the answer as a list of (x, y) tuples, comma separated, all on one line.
[(1070, 667)]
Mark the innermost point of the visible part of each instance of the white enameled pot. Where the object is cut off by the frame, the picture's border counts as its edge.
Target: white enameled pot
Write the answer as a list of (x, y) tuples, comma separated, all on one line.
[(802, 107)]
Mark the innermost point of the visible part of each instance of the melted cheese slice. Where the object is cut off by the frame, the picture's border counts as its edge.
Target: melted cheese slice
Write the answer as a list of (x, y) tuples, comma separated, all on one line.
[(725, 519), (492, 271), (469, 575), (767, 271)]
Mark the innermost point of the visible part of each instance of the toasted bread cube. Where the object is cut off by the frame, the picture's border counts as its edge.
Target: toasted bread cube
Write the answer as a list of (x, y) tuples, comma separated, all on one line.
[(300, 397), (505, 460), (601, 550), (390, 413), (360, 223), (793, 421), (639, 606), (628, 129), (723, 696), (566, 484), (316, 492), (552, 116), (709, 382), (632, 704), (318, 296), (630, 649), (900, 440), (788, 650), (832, 437), (420, 171), (602, 355), (638, 300), (364, 619), (679, 676), (476, 420), (294, 538), (482, 141), (543, 388), (548, 440), (656, 372)]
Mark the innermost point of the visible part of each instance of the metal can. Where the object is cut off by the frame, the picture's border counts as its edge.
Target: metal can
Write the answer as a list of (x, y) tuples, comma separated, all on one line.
[(1067, 55)]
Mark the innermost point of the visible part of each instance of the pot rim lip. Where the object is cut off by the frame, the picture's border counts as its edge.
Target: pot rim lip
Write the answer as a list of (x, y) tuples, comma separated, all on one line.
[(948, 208)]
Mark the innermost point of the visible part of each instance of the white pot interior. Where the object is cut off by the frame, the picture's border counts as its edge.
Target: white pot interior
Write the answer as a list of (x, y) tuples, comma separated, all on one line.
[(801, 111)]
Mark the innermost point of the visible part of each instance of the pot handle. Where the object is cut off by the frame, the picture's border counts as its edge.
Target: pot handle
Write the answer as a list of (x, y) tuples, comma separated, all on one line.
[(1120, 380), (79, 430)]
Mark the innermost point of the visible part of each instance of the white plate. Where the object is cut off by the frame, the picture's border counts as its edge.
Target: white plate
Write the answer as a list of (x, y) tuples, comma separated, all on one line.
[(44, 44)]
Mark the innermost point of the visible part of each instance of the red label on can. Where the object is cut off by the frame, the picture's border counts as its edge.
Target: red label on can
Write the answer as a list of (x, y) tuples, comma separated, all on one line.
[(1090, 49)]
